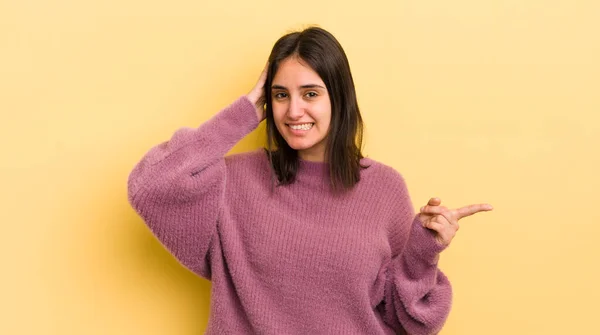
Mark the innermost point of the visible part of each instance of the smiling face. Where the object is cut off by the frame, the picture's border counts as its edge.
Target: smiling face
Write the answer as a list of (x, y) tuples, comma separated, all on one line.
[(301, 108)]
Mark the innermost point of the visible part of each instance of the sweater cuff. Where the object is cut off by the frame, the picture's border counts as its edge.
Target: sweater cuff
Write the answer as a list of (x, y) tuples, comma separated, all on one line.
[(239, 117), (228, 127), (249, 110), (422, 244)]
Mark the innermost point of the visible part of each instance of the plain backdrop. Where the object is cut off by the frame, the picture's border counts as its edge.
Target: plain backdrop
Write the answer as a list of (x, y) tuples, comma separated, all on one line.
[(472, 101)]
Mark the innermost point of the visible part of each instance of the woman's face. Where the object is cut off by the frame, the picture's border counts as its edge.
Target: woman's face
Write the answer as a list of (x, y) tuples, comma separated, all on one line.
[(301, 108)]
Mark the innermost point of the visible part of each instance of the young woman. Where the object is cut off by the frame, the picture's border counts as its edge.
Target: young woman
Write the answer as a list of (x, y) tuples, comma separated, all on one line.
[(306, 236)]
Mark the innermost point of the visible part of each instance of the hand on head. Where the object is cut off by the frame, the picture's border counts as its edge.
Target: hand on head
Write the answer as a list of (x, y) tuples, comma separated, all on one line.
[(257, 94)]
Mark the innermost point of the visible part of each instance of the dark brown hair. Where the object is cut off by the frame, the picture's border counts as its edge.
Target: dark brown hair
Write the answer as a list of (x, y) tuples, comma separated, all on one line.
[(323, 53)]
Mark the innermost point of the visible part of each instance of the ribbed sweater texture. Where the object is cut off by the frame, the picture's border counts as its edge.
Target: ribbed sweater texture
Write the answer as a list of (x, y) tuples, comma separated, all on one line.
[(290, 259)]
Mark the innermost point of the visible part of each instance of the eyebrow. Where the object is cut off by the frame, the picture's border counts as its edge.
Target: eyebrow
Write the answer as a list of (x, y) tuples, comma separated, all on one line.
[(279, 87)]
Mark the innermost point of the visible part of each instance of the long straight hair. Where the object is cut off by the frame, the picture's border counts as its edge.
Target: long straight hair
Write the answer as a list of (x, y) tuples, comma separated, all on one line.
[(324, 54)]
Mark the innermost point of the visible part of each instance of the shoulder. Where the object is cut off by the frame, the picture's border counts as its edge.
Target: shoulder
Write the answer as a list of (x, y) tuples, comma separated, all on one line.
[(386, 184), (247, 159), (383, 175), (248, 166), (395, 197)]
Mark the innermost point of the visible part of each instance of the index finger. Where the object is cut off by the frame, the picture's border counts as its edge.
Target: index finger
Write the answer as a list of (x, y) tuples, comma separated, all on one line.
[(263, 75), (472, 209)]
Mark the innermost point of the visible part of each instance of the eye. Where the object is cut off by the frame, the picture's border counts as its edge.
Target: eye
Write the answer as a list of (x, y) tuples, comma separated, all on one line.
[(311, 94), (280, 95)]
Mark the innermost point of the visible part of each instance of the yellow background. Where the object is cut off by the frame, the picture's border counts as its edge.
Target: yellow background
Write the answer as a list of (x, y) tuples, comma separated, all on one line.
[(472, 101)]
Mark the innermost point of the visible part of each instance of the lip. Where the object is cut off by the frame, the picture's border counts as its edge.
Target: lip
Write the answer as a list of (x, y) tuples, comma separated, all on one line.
[(297, 123), (298, 132)]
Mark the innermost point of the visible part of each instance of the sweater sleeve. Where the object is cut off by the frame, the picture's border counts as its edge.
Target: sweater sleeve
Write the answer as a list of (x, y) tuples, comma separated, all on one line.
[(178, 186), (418, 296)]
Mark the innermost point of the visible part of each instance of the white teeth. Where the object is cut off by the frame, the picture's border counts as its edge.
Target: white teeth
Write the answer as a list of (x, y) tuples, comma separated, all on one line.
[(305, 126)]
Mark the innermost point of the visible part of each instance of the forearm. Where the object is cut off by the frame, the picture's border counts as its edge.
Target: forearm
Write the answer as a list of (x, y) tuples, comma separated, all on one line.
[(177, 187), (418, 294)]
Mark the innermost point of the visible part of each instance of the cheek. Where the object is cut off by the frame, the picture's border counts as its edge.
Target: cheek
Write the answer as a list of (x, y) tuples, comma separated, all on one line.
[(324, 113), (276, 116), (278, 111)]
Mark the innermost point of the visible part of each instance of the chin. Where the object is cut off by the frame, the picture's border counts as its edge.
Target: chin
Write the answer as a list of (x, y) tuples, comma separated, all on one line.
[(299, 146)]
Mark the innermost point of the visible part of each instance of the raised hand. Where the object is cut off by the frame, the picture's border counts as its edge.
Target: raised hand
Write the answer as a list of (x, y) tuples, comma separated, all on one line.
[(257, 95), (444, 221)]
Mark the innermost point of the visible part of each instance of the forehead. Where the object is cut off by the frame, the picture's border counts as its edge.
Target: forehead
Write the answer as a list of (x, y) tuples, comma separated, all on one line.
[(293, 72)]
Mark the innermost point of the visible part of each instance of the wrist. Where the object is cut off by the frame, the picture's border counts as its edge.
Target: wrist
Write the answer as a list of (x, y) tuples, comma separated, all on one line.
[(252, 99), (423, 243)]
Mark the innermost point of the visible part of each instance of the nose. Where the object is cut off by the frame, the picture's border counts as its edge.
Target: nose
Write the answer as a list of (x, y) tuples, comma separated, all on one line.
[(295, 109)]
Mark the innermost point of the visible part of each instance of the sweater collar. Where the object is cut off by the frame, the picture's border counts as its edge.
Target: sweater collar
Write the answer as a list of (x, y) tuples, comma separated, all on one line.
[(313, 169)]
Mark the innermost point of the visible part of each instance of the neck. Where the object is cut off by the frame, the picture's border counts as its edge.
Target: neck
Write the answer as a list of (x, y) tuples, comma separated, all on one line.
[(312, 155)]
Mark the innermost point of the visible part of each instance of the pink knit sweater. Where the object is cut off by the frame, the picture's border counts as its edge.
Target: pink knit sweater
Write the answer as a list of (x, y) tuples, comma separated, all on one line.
[(297, 259)]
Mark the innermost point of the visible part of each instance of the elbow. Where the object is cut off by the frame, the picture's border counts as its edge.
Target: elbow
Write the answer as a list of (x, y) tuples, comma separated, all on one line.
[(133, 184), (430, 314)]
